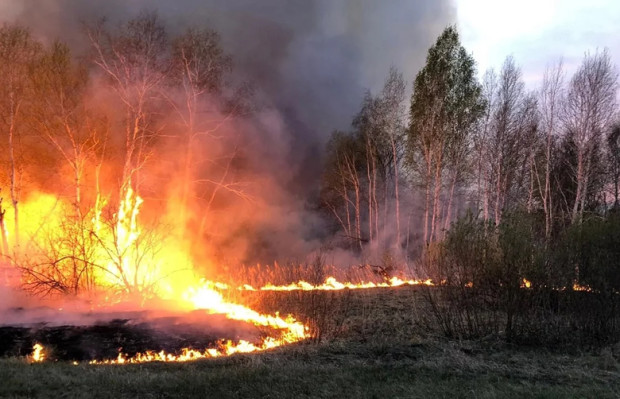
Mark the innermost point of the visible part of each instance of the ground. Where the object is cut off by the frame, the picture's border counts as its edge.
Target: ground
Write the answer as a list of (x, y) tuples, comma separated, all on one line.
[(375, 354)]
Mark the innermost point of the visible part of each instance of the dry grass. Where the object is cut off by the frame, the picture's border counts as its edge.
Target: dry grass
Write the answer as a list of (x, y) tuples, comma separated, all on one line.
[(378, 352)]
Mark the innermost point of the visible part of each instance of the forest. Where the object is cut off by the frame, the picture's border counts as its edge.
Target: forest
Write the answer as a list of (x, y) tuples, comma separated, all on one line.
[(171, 228), (508, 195), (506, 198)]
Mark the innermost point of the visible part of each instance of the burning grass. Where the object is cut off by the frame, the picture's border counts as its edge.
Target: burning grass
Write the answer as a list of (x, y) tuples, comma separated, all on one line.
[(378, 352)]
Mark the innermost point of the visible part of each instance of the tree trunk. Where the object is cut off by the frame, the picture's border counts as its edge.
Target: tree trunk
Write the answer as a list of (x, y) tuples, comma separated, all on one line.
[(450, 199), (396, 194), (579, 177), (14, 188)]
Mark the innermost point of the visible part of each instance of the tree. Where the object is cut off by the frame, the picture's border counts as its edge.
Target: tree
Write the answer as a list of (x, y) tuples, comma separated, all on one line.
[(393, 112), (60, 115), (135, 61), (341, 190), (550, 101), (199, 69), (589, 111), (445, 104), (613, 151), (510, 144), (481, 143), (18, 52), (363, 167)]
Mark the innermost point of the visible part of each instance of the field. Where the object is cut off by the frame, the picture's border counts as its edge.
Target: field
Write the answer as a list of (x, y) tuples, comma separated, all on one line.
[(370, 348)]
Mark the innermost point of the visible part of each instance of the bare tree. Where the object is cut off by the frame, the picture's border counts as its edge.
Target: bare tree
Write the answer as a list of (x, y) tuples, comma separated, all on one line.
[(60, 115), (199, 68), (135, 61), (512, 131), (481, 143), (341, 191), (613, 151), (18, 52), (588, 113), (550, 96), (393, 111)]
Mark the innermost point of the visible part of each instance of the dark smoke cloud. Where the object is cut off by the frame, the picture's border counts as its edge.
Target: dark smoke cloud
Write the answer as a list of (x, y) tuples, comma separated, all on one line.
[(310, 59), (313, 58)]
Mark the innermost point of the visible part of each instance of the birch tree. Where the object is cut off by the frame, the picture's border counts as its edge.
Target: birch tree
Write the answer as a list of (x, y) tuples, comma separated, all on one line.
[(613, 151), (135, 62), (589, 111), (18, 52), (60, 114), (445, 104), (550, 100)]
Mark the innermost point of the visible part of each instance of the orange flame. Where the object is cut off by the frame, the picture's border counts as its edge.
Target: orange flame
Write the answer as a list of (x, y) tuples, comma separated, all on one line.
[(38, 354), (168, 273), (225, 348), (331, 284)]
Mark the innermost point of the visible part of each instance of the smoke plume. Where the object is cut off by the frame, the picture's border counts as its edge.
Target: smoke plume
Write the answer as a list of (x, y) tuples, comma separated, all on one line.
[(310, 62)]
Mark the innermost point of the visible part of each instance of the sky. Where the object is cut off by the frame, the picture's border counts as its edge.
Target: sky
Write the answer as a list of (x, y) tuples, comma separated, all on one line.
[(538, 32)]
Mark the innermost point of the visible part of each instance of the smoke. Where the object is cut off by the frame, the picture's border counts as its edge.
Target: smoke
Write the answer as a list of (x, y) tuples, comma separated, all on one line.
[(310, 61)]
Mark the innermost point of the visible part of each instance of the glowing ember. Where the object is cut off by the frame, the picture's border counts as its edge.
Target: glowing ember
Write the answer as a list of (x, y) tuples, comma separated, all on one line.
[(579, 287)]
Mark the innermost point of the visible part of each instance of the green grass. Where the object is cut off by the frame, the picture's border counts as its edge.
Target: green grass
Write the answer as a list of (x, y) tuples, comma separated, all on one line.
[(377, 354)]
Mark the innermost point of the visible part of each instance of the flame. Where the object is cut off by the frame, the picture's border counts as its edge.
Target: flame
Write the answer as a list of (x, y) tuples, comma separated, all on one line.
[(331, 284), (579, 287), (38, 354), (169, 274), (205, 297), (225, 348)]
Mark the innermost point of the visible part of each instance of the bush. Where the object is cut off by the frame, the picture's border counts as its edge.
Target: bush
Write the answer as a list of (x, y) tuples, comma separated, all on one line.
[(510, 280)]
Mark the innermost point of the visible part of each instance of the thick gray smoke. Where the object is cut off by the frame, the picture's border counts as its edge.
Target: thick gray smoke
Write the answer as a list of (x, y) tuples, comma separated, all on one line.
[(311, 60)]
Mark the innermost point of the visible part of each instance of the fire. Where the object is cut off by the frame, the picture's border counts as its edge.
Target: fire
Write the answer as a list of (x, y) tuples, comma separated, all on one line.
[(225, 348), (125, 266), (331, 284), (38, 354), (204, 297), (579, 287)]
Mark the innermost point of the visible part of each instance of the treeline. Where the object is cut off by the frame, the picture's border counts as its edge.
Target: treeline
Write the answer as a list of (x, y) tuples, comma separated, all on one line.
[(506, 198), (409, 168)]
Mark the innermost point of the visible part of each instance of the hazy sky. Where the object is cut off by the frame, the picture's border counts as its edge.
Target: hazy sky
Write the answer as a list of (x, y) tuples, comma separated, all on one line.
[(538, 32)]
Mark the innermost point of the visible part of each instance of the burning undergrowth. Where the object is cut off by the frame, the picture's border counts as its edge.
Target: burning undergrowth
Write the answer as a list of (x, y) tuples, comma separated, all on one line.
[(137, 163), (102, 275), (127, 336)]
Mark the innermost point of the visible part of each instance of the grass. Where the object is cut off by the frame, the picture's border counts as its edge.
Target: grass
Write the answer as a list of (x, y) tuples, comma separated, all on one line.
[(377, 354)]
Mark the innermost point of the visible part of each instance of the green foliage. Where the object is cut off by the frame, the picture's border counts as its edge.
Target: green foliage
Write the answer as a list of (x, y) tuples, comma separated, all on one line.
[(593, 249), (446, 99), (511, 281)]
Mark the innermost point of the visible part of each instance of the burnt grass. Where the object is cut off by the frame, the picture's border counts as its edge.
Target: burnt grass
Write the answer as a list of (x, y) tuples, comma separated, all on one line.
[(368, 344), (97, 342)]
